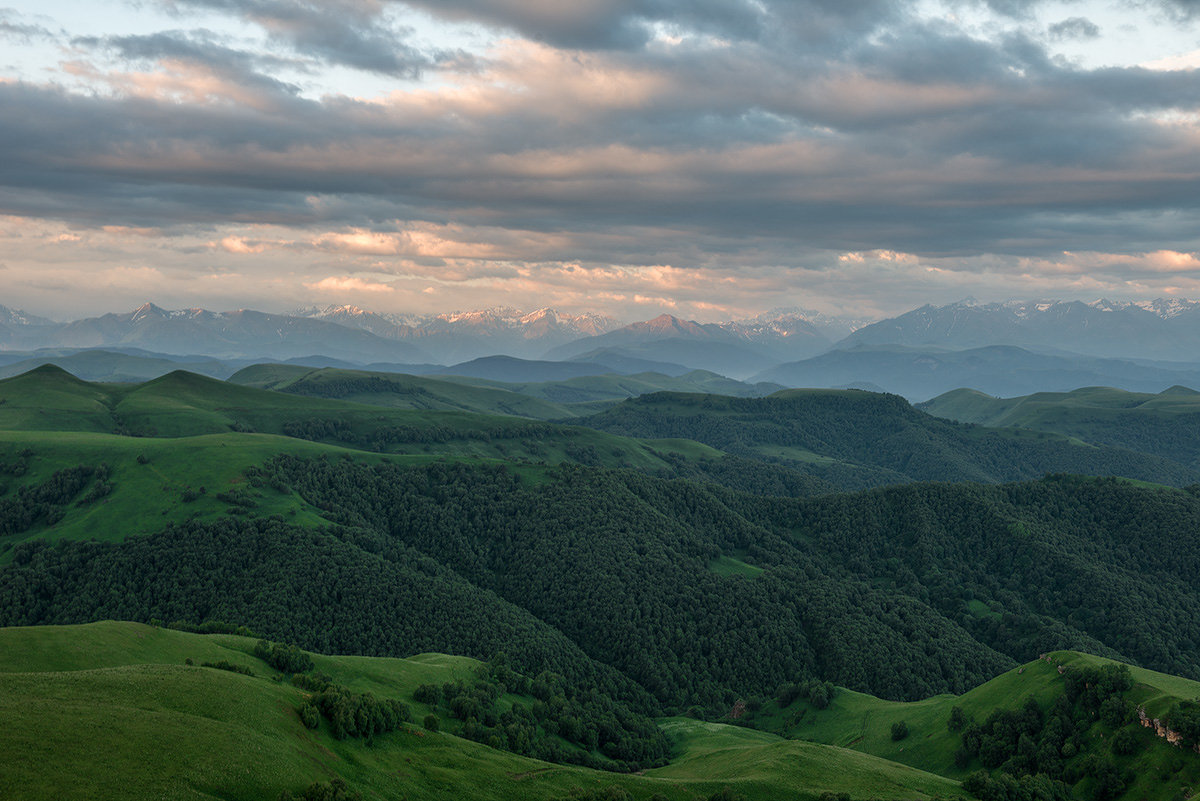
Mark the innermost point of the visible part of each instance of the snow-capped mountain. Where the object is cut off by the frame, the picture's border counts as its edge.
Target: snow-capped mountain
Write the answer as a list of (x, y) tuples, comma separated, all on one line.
[(388, 326), (234, 334), (1165, 329), (791, 322), (17, 318), (462, 335), (734, 349)]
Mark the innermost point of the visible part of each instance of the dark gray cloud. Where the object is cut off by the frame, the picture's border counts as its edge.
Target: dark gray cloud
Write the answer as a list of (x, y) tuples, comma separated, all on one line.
[(619, 24), (202, 48), (1074, 28), (352, 33), (825, 126), (630, 24), (1181, 10)]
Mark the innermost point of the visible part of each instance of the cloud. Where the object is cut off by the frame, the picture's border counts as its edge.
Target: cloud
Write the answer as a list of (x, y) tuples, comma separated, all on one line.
[(353, 33), (341, 284), (1074, 28), (14, 28), (650, 148)]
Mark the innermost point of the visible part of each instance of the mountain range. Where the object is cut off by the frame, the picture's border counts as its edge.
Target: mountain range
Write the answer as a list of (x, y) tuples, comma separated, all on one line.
[(1163, 329), (1001, 349)]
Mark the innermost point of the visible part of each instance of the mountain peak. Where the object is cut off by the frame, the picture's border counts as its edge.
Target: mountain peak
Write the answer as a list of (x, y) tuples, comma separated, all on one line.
[(146, 311)]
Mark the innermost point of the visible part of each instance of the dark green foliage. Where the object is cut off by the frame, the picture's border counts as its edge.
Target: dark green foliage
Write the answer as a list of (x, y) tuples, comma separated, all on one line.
[(43, 503), (208, 627), (609, 793), (333, 591), (230, 666), (428, 694), (1004, 787), (364, 715), (818, 693), (284, 658), (1184, 718), (335, 790), (958, 719), (1125, 742), (603, 577), (310, 715), (583, 718), (431, 722), (726, 794), (899, 731), (1032, 748)]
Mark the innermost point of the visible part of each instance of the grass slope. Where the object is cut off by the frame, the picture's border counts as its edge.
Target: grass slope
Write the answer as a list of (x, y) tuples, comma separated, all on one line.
[(110, 366), (182, 404), (151, 476), (611, 388), (1166, 424), (863, 723), (397, 391), (109, 710)]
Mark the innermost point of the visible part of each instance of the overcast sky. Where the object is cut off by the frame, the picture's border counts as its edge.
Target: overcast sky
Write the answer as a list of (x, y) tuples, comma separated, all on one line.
[(711, 158)]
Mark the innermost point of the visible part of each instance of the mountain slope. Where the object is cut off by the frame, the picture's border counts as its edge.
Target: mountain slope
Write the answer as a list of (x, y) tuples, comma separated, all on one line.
[(920, 373), (727, 349), (1163, 329), (235, 334)]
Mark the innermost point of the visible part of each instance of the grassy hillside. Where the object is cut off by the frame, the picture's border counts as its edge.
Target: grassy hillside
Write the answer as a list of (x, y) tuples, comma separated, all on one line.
[(182, 404), (112, 366), (397, 391), (610, 388), (864, 723), (110, 710), (1166, 424), (154, 482)]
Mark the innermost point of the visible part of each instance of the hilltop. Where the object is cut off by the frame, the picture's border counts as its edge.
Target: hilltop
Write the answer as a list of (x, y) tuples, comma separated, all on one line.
[(1165, 423), (855, 438)]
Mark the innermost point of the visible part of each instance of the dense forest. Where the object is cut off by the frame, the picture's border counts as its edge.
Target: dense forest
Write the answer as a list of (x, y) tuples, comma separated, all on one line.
[(615, 579)]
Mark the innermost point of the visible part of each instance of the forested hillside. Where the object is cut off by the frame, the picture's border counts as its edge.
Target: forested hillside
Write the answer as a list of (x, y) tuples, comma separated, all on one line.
[(696, 595), (651, 577), (857, 438), (1166, 424)]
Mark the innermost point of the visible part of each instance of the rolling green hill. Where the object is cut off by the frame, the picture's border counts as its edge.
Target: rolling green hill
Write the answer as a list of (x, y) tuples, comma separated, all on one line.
[(112, 366), (111, 710), (547, 400), (1153, 769), (855, 438), (183, 404), (357, 529), (1166, 424), (396, 390), (610, 388)]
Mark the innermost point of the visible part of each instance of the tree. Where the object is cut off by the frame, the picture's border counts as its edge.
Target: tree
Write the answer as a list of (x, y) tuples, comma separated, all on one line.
[(899, 731)]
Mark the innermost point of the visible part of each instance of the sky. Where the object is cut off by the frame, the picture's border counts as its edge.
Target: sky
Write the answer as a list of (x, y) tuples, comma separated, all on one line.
[(708, 158)]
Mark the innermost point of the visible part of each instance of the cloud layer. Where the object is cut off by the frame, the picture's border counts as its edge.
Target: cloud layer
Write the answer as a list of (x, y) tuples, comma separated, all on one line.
[(703, 156)]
